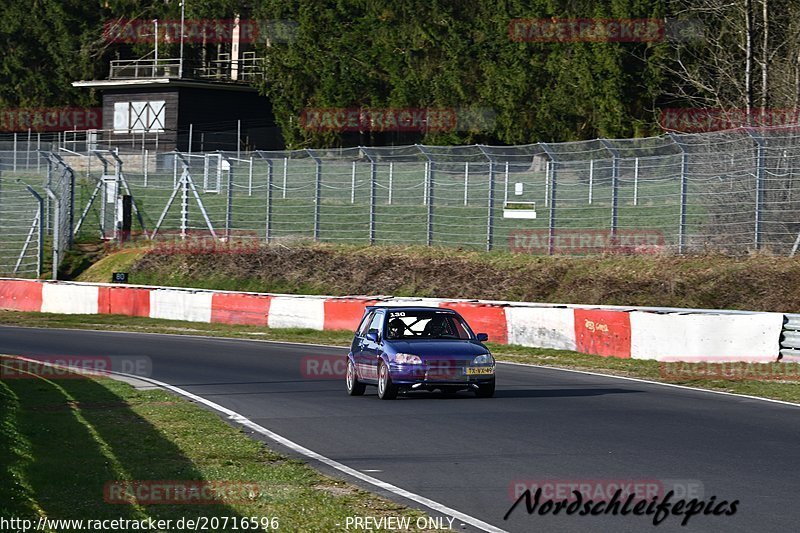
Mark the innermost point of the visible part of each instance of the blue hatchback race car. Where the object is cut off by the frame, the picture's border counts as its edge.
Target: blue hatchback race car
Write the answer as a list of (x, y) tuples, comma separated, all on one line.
[(418, 348)]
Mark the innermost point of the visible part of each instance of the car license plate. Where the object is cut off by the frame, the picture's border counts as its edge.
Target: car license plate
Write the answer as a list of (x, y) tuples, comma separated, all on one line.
[(479, 370)]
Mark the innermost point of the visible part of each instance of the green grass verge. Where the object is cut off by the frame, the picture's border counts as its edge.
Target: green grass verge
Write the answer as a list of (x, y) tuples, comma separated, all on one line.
[(63, 440), (644, 369)]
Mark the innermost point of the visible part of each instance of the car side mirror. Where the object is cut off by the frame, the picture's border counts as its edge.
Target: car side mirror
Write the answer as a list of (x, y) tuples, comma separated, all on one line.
[(372, 335), (482, 337)]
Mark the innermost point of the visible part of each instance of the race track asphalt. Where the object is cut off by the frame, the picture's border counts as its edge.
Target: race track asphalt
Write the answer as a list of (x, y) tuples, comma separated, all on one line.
[(543, 425)]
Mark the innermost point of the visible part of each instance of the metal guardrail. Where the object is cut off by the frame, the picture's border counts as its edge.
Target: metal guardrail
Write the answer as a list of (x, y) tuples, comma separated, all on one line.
[(790, 337)]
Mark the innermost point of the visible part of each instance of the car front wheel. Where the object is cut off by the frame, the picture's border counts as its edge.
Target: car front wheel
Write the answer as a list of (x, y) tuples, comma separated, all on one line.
[(354, 387), (485, 390), (386, 390)]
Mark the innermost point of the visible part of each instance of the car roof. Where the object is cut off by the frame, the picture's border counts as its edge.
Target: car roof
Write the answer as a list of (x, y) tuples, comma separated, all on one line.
[(411, 308)]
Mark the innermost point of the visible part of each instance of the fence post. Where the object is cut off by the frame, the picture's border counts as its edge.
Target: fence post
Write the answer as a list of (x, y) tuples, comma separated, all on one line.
[(14, 167), (683, 194), (391, 175), (40, 244), (269, 201), (547, 182), (373, 181), (429, 195), (591, 179), (636, 181), (184, 204), (614, 189), (144, 165), (758, 228), (490, 200), (551, 198), (372, 195), (285, 172), (353, 184), (425, 184), (466, 182), (39, 222), (250, 178), (56, 230), (228, 201), (28, 151), (317, 191)]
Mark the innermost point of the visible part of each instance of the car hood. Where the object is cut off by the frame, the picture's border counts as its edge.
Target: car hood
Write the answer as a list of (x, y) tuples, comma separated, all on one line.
[(440, 350)]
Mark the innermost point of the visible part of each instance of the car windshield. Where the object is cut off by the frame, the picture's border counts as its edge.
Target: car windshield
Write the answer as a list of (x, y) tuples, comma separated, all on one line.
[(425, 325)]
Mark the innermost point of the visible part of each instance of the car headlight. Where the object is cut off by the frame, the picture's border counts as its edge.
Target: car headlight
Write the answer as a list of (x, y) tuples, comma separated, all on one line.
[(483, 359), (407, 359)]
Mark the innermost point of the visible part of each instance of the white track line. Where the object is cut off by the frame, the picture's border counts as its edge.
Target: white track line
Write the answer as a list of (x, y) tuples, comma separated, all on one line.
[(640, 380), (246, 422)]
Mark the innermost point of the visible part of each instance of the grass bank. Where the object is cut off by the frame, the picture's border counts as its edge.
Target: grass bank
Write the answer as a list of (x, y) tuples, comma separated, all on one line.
[(756, 282), (65, 439)]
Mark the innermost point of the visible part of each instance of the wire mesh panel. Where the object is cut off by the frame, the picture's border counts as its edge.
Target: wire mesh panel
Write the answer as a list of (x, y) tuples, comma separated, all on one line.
[(731, 191), (21, 236)]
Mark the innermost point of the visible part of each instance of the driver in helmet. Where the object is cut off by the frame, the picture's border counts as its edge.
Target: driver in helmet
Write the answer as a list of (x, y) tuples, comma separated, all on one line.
[(397, 328)]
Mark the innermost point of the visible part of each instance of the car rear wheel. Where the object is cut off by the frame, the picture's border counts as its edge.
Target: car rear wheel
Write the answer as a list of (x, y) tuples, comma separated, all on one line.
[(386, 390), (354, 387), (485, 390)]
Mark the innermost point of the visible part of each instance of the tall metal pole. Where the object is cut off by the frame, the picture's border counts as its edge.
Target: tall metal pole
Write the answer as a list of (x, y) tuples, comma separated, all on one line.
[(155, 39), (180, 61)]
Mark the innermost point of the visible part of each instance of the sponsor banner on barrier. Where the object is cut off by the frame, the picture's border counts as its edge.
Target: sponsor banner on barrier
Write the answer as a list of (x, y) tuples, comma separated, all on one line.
[(606, 333), (181, 492), (585, 240)]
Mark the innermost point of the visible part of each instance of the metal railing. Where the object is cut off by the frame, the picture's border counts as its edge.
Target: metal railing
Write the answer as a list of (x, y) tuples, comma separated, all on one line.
[(729, 192), (245, 69)]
